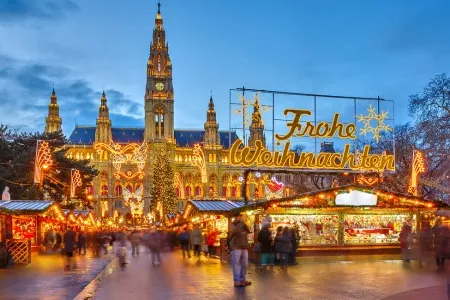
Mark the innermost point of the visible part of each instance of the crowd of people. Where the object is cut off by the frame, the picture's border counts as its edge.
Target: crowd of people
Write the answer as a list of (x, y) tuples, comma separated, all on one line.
[(74, 241), (431, 239), (279, 248)]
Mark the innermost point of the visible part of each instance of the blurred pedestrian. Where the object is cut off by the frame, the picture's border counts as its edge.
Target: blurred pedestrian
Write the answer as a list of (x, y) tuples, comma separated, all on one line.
[(69, 245), (283, 246), (405, 239), (266, 240), (196, 240), (82, 242), (135, 242), (425, 242), (58, 241), (239, 250), (155, 244), (442, 251), (294, 246), (184, 242), (121, 253), (211, 240)]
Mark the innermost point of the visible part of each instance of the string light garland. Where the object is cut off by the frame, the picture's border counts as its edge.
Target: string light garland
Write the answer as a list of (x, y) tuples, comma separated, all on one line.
[(417, 167), (76, 182), (43, 159)]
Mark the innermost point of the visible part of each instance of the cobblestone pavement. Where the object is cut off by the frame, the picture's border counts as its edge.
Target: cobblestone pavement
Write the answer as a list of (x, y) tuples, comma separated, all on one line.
[(45, 278), (177, 278)]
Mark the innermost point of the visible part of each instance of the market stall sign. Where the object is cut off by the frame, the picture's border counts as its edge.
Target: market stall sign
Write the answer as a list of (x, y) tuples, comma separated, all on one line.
[(259, 155), (356, 198)]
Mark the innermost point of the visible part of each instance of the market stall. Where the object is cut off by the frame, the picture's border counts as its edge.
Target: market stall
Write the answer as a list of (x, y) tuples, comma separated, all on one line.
[(28, 221), (345, 217)]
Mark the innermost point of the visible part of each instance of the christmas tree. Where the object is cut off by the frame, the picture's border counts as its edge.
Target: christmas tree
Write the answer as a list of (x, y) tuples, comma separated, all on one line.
[(163, 191)]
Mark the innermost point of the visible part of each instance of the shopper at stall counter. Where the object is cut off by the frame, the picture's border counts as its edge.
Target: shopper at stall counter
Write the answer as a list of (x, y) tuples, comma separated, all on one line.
[(239, 250)]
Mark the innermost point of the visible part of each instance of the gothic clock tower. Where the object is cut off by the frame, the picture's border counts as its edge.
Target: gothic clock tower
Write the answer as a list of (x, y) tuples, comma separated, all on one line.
[(159, 100)]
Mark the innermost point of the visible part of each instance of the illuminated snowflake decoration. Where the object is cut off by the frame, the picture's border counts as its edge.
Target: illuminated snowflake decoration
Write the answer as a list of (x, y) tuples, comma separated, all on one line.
[(375, 130)]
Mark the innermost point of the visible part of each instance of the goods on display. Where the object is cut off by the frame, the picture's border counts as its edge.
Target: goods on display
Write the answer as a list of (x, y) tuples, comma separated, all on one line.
[(24, 228), (312, 229), (375, 229)]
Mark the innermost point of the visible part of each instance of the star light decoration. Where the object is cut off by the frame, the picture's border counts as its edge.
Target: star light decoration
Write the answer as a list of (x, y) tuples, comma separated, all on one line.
[(373, 116), (246, 104)]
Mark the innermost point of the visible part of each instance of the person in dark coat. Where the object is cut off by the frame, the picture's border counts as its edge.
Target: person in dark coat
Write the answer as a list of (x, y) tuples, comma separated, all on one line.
[(184, 242), (69, 245), (294, 245), (283, 247), (82, 240), (155, 243), (266, 240), (442, 252), (58, 242)]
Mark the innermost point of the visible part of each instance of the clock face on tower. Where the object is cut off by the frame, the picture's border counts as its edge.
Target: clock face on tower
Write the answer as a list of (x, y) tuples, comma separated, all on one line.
[(159, 86)]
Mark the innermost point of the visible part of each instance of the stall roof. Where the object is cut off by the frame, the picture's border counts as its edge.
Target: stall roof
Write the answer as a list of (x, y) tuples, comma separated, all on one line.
[(410, 199), (217, 205), (30, 206), (213, 206)]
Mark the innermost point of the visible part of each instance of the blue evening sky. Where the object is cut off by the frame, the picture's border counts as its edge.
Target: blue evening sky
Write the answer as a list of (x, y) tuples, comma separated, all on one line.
[(380, 48)]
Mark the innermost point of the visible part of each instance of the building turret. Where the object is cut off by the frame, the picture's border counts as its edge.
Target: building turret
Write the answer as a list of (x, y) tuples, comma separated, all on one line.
[(212, 137), (103, 132), (53, 121), (257, 127)]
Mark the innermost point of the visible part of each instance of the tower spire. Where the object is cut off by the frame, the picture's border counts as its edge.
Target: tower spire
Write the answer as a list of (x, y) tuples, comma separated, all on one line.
[(103, 132), (159, 123), (53, 121), (211, 137), (257, 126)]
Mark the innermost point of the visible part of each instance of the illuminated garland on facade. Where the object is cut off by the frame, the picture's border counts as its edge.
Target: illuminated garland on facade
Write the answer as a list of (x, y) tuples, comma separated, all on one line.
[(198, 160), (134, 200), (130, 154)]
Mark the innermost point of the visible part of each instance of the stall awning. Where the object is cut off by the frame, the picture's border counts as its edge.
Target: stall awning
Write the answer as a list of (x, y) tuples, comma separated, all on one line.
[(25, 206), (222, 207), (84, 213)]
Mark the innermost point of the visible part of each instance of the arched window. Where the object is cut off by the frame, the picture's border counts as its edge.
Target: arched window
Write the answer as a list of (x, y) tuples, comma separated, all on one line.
[(159, 63), (90, 190), (224, 191), (198, 191), (105, 190), (187, 191), (178, 192), (233, 192), (130, 188), (159, 122), (118, 190)]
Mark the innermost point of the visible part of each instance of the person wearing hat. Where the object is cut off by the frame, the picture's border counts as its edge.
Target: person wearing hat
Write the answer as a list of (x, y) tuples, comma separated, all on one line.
[(239, 250)]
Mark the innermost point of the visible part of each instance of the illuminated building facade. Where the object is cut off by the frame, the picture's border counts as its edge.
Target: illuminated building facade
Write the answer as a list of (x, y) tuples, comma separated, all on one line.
[(124, 156)]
